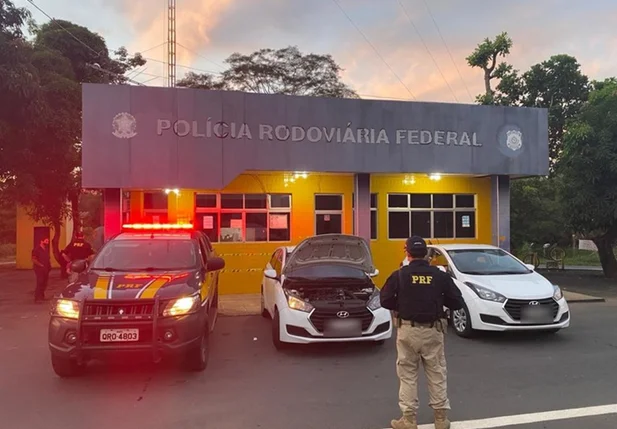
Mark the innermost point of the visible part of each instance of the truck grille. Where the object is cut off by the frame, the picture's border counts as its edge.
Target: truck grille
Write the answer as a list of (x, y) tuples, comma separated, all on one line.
[(118, 310), (320, 315), (513, 306)]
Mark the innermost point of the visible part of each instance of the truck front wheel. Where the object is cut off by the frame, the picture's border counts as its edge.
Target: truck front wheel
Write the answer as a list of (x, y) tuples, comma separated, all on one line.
[(66, 368)]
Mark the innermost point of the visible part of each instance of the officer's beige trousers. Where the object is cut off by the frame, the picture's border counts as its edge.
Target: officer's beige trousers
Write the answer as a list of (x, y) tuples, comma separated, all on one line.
[(417, 344)]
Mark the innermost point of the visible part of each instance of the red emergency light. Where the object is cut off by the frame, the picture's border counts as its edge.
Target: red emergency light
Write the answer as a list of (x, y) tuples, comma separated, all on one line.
[(158, 226)]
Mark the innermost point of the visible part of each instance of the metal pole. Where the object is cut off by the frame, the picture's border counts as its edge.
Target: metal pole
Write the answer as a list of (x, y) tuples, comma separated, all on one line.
[(171, 43)]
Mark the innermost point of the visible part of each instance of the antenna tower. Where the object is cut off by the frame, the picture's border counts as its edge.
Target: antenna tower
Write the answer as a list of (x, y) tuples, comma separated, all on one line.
[(171, 43)]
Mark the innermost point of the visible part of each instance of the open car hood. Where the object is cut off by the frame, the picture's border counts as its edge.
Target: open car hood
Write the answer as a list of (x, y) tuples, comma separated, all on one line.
[(331, 249)]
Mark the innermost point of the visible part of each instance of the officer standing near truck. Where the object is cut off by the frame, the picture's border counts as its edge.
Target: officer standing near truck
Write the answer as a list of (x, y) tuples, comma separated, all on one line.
[(417, 293), (77, 249)]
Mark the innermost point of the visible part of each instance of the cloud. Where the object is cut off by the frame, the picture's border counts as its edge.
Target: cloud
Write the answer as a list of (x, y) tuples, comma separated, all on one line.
[(213, 29)]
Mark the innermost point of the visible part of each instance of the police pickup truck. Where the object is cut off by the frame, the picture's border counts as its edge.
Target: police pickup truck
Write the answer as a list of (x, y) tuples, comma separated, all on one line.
[(151, 290)]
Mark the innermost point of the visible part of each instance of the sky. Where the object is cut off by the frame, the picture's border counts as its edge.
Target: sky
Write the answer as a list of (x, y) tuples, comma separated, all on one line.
[(392, 49)]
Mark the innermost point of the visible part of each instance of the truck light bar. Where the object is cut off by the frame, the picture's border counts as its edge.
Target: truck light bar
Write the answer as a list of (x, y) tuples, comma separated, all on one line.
[(158, 226)]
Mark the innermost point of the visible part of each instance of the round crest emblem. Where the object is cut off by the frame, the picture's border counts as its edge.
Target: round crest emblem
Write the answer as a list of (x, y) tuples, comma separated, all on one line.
[(510, 141), (514, 140), (124, 126)]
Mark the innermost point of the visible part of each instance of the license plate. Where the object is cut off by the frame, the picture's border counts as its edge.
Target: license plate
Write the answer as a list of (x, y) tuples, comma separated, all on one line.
[(119, 335), (343, 328), (536, 315)]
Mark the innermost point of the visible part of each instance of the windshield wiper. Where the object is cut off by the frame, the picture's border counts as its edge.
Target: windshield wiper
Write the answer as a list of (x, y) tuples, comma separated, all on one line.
[(476, 273), (509, 272)]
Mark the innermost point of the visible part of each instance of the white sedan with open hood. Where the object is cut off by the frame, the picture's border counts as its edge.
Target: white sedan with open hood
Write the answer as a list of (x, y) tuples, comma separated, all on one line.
[(322, 291), (501, 293)]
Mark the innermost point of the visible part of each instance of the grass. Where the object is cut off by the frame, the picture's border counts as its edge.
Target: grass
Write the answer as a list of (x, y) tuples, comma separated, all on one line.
[(7, 252), (584, 258), (573, 257)]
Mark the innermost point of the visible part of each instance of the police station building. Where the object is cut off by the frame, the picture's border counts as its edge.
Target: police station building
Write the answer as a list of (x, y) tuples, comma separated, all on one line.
[(256, 171)]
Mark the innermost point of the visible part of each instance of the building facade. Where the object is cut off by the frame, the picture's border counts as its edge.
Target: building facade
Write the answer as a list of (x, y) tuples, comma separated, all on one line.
[(256, 171)]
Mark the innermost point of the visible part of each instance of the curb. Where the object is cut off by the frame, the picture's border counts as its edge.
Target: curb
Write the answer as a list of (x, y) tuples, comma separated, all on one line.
[(238, 313)]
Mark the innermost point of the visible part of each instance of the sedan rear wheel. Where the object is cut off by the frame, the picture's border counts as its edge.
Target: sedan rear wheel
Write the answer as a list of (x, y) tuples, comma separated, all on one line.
[(461, 322)]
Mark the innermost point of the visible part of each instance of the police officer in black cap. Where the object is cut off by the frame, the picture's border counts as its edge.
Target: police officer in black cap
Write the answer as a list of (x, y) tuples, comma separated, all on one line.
[(417, 293)]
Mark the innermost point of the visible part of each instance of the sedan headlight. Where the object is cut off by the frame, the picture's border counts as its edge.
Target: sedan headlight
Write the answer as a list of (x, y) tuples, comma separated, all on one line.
[(486, 294), (66, 308), (182, 306), (374, 302), (296, 303), (557, 293)]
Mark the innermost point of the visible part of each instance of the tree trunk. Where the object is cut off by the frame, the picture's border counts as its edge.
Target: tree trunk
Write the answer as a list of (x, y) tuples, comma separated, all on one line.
[(607, 255), (75, 214), (487, 83), (55, 241)]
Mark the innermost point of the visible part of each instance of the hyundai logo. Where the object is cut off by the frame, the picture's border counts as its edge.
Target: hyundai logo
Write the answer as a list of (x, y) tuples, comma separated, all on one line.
[(342, 314), (534, 303)]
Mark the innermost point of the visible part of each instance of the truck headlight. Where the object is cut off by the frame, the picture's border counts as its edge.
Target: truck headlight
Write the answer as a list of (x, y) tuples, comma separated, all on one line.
[(557, 293), (67, 308), (486, 294), (182, 306), (374, 302), (296, 303)]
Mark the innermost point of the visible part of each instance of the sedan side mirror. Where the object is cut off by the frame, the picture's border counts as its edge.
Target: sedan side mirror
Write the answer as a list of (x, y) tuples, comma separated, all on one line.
[(78, 266), (374, 273), (532, 267), (271, 274), (442, 268), (215, 264)]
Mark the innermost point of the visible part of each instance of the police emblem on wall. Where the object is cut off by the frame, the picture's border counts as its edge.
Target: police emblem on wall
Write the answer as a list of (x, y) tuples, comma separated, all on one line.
[(510, 140), (124, 126), (514, 140)]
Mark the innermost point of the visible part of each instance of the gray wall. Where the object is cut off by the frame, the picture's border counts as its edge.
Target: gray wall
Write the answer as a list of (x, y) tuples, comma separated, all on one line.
[(500, 211), (151, 137)]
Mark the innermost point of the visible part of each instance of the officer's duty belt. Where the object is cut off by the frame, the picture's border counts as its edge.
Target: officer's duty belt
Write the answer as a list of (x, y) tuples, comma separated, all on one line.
[(418, 324)]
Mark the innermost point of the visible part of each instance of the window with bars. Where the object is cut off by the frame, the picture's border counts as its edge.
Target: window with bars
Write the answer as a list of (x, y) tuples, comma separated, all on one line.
[(244, 217), (328, 214), (373, 215), (443, 216)]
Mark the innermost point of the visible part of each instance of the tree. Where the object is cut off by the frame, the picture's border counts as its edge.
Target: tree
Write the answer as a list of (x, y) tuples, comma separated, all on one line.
[(40, 122), (485, 56), (282, 71), (90, 62), (558, 85), (12, 20), (19, 85), (87, 51), (536, 214), (588, 170)]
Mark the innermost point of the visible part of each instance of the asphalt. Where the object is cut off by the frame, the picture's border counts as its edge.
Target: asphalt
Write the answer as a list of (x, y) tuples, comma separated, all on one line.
[(251, 386)]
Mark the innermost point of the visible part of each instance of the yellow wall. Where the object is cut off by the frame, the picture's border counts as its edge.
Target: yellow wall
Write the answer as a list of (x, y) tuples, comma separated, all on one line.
[(388, 254), (245, 261), (25, 239)]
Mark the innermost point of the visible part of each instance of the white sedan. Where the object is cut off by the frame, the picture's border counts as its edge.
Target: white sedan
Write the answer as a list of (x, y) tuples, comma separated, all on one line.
[(322, 291), (501, 293)]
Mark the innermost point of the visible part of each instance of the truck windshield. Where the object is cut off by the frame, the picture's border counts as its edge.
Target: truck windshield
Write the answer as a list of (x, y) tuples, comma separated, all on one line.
[(138, 255)]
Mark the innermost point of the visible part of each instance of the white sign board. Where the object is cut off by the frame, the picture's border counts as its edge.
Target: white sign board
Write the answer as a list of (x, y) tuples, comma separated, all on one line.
[(587, 245)]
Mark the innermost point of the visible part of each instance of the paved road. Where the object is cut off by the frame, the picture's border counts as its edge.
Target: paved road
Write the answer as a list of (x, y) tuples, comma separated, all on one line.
[(250, 386)]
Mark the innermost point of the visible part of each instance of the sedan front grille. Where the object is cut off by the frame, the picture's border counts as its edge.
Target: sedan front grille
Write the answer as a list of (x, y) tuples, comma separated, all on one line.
[(513, 306), (320, 315), (118, 310)]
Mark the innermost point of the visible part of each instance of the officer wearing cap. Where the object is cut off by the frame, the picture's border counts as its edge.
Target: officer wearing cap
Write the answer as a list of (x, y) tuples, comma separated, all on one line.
[(416, 294), (77, 249)]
